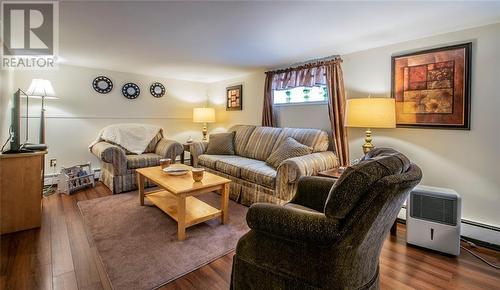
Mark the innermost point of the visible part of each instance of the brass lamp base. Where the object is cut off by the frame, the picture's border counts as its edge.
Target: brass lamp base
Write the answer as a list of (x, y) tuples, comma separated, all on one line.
[(205, 131), (368, 141)]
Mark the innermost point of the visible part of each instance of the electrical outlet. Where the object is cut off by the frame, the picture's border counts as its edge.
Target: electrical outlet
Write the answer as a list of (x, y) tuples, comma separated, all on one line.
[(53, 162)]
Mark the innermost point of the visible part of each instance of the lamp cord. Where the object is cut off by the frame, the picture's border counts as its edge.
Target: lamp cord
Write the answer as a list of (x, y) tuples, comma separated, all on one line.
[(476, 255), (7, 141)]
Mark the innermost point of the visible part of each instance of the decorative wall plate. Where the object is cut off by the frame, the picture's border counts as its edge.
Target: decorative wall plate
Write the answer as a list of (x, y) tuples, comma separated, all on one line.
[(130, 91), (102, 84), (157, 90)]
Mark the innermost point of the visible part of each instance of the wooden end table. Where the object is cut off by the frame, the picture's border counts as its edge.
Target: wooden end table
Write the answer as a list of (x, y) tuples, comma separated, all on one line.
[(332, 173), (177, 196), (187, 148)]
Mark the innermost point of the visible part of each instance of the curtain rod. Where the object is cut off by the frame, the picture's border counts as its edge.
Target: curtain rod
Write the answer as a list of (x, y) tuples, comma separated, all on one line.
[(304, 63)]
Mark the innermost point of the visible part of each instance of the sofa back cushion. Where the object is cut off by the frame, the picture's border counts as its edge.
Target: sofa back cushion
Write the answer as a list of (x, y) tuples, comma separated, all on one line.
[(357, 181), (314, 138), (261, 142), (241, 135)]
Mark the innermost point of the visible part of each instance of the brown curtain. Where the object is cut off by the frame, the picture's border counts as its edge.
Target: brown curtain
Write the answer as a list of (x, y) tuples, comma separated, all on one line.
[(268, 118), (336, 104), (327, 73)]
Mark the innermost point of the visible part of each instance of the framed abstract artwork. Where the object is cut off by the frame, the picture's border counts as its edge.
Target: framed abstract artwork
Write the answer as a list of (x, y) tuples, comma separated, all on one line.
[(234, 98), (432, 87)]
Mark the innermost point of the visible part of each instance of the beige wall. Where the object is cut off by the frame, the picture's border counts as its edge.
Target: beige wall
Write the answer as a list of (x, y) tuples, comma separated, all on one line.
[(253, 89), (73, 121), (467, 161)]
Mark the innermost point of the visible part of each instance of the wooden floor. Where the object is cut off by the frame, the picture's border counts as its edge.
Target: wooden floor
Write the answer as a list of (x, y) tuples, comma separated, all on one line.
[(59, 256)]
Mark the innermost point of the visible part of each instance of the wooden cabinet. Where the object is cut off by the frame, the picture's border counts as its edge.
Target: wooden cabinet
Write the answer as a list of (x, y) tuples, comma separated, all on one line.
[(21, 183)]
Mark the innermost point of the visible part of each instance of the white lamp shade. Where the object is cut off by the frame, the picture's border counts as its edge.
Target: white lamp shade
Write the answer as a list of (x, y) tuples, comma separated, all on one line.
[(40, 88), (203, 115), (371, 113)]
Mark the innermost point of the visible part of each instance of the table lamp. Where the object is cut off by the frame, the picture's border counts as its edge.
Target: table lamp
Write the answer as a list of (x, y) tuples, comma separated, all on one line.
[(204, 115), (370, 113), (41, 89)]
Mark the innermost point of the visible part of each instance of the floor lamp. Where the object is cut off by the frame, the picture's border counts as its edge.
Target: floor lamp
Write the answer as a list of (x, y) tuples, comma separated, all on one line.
[(41, 89)]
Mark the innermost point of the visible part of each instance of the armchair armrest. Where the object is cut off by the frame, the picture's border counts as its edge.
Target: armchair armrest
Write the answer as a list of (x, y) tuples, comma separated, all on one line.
[(292, 169), (110, 153), (196, 149), (312, 192), (169, 148), (292, 224)]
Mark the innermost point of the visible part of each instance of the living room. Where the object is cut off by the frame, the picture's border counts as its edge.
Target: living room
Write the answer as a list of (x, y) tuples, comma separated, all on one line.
[(224, 88)]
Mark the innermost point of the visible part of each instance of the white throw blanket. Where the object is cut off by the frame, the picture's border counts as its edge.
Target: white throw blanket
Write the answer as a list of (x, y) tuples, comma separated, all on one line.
[(133, 137)]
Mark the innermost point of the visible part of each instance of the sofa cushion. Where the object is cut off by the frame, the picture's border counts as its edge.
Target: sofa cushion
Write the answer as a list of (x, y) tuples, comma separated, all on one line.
[(261, 142), (209, 160), (315, 138), (260, 173), (221, 144), (242, 134), (290, 148), (152, 145), (232, 164), (142, 160), (357, 180)]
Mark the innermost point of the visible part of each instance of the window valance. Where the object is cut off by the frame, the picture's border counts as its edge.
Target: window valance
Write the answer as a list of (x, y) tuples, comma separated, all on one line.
[(307, 75)]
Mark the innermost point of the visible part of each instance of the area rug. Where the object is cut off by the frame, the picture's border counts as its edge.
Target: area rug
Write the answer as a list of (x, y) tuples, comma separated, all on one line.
[(138, 245)]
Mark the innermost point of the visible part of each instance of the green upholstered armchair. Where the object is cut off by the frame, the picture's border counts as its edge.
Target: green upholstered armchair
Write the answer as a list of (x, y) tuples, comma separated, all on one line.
[(329, 236)]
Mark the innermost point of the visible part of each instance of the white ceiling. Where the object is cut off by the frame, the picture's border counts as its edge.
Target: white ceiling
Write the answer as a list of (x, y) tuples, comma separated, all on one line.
[(212, 41)]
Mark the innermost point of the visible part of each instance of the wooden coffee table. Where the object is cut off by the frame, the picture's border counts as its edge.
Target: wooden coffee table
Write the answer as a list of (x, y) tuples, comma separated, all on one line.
[(177, 196)]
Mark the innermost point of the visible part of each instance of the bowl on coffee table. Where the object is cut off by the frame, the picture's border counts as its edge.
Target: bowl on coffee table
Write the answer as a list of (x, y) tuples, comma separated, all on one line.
[(175, 170)]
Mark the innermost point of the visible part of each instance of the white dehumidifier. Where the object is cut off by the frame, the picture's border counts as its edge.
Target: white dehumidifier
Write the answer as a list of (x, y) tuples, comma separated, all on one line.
[(433, 218)]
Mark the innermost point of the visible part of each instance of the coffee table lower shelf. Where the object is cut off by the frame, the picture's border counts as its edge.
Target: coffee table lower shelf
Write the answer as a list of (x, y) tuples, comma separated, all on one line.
[(196, 211)]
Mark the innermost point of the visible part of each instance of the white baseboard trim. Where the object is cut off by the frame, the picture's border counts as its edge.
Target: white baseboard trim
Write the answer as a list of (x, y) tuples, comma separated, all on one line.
[(474, 230)]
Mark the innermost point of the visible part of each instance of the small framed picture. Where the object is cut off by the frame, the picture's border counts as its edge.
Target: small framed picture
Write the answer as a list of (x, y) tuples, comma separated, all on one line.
[(234, 98)]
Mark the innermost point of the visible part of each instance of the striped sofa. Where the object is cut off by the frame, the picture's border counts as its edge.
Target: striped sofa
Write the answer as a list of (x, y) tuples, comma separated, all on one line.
[(252, 179), (118, 166)]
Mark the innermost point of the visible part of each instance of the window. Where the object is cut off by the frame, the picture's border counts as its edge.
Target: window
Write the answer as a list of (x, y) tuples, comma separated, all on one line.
[(301, 95)]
